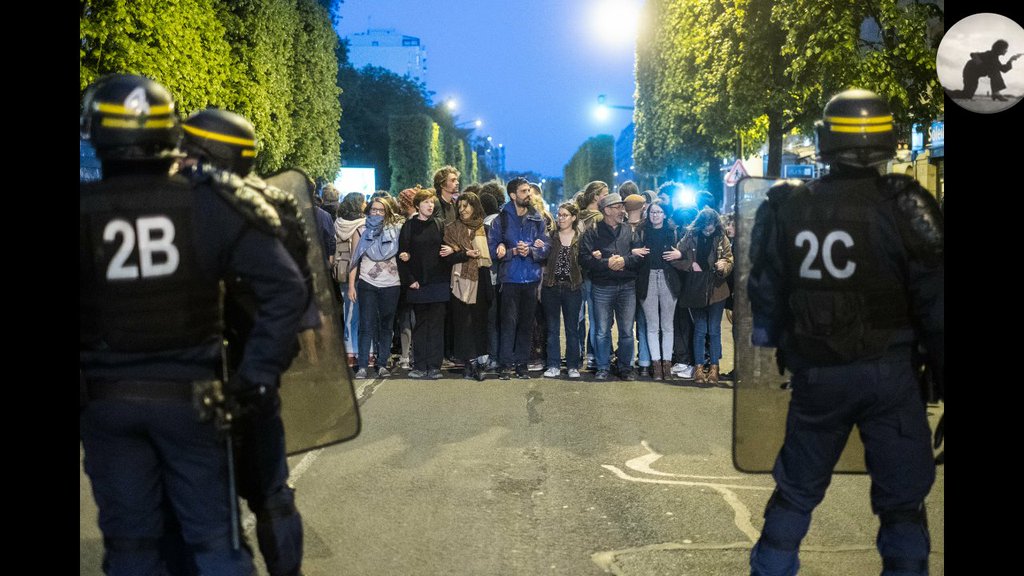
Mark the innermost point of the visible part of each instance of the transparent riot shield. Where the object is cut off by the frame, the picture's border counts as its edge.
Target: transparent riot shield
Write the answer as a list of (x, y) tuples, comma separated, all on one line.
[(761, 395), (318, 402)]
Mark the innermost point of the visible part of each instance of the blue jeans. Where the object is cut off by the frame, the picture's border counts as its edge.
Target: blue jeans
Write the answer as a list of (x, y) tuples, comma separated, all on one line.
[(586, 329), (377, 320), (349, 322), (562, 299), (707, 321), (644, 352), (518, 306), (619, 299)]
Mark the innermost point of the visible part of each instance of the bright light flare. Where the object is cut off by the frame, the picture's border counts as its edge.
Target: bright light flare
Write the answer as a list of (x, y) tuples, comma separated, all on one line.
[(616, 20), (601, 113), (451, 104), (686, 197)]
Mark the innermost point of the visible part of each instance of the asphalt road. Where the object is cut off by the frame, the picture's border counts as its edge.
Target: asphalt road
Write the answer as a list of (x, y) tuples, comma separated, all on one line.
[(549, 476)]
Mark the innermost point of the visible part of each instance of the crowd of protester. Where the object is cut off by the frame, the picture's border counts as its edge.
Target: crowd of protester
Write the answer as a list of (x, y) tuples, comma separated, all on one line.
[(487, 280)]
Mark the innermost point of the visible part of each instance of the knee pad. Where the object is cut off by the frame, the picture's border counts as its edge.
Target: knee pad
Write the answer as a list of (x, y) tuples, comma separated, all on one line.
[(903, 541), (785, 525)]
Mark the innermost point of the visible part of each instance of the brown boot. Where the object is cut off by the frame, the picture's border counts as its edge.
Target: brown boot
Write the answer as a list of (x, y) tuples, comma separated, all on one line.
[(657, 370), (698, 374), (713, 374)]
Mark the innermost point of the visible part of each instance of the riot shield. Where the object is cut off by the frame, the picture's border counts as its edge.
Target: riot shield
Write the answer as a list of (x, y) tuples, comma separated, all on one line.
[(318, 402), (760, 395)]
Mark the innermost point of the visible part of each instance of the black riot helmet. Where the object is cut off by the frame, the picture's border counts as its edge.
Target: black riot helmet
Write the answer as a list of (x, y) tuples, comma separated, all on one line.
[(856, 129), (128, 117), (225, 139)]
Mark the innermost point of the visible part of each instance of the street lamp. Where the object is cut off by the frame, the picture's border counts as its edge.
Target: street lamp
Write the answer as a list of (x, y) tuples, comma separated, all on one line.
[(602, 110), (476, 123)]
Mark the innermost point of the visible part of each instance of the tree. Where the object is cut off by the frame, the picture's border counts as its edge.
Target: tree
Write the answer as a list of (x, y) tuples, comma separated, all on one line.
[(161, 40), (713, 73), (593, 160), (369, 97), (314, 106), (262, 38)]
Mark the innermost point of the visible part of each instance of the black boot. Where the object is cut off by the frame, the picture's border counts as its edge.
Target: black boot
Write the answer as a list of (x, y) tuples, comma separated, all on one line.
[(471, 370)]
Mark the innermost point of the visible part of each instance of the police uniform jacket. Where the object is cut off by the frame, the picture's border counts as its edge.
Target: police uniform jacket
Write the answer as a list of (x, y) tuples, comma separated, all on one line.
[(152, 250)]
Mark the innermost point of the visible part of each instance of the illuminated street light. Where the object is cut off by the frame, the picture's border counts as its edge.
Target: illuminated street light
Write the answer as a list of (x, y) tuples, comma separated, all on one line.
[(603, 109), (451, 104)]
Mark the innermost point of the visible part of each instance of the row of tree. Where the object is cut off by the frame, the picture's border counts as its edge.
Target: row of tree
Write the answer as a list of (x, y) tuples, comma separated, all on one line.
[(418, 146), (273, 61), (280, 64), (593, 160), (716, 75)]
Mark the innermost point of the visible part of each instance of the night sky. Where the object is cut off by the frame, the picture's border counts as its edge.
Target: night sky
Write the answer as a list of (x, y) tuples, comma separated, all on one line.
[(530, 69)]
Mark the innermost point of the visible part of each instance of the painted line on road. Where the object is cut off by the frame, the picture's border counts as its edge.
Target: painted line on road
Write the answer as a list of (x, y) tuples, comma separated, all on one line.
[(623, 475), (643, 464)]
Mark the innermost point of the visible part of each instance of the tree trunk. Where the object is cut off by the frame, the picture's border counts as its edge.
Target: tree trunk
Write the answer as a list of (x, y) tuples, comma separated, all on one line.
[(775, 142), (715, 180)]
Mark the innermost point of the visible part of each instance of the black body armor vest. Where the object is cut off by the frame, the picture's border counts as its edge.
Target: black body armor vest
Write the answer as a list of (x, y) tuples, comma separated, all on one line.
[(843, 257), (141, 285)]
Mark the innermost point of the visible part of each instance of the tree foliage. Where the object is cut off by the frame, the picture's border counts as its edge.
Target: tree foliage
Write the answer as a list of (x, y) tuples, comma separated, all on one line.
[(593, 160), (414, 151), (714, 73), (315, 94), (272, 61), (370, 96)]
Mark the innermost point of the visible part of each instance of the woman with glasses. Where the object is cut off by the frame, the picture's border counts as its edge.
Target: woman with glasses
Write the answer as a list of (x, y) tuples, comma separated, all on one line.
[(470, 284), (374, 284), (561, 292), (657, 285)]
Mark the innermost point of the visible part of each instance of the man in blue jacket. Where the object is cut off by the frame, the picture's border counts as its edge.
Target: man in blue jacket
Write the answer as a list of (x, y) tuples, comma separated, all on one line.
[(519, 243), (606, 253)]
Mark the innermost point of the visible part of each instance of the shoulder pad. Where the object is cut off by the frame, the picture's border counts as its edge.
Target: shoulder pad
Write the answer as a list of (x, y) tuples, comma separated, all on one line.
[(279, 198), (920, 222), (783, 189), (892, 184), (246, 199)]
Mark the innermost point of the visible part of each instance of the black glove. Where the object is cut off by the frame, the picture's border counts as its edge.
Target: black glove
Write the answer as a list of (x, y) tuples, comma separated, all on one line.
[(249, 401)]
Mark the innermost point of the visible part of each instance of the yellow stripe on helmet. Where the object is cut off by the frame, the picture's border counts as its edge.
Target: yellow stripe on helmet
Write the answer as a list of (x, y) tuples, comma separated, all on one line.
[(859, 120), (119, 109), (218, 137), (861, 129), (133, 124), (248, 153)]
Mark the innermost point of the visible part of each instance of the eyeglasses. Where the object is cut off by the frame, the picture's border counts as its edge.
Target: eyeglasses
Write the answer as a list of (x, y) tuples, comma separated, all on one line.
[(561, 216), (376, 210)]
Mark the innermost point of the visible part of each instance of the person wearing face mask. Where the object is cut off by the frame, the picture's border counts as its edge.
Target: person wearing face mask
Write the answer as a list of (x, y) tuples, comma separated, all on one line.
[(373, 283), (706, 251)]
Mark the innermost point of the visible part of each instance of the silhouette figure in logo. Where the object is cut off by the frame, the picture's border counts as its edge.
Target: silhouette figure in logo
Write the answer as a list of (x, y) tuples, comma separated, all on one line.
[(986, 64)]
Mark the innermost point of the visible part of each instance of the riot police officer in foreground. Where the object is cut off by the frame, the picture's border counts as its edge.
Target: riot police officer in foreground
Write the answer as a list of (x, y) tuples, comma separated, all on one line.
[(222, 144), (846, 279), (152, 250)]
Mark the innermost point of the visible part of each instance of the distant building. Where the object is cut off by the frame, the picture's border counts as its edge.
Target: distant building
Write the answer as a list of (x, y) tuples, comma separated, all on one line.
[(401, 54), (624, 155)]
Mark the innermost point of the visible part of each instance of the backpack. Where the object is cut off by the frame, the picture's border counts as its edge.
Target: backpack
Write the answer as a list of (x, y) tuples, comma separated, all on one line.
[(342, 260)]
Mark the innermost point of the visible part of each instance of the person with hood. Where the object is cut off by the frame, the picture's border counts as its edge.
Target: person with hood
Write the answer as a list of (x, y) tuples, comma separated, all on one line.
[(347, 228), (519, 243), (706, 252), (373, 283)]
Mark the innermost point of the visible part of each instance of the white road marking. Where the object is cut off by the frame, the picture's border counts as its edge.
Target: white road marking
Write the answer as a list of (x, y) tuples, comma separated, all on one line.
[(643, 464)]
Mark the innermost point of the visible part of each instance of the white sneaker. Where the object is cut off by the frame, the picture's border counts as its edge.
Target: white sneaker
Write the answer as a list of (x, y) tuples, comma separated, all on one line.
[(574, 373), (686, 372), (361, 374), (404, 364), (552, 372)]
